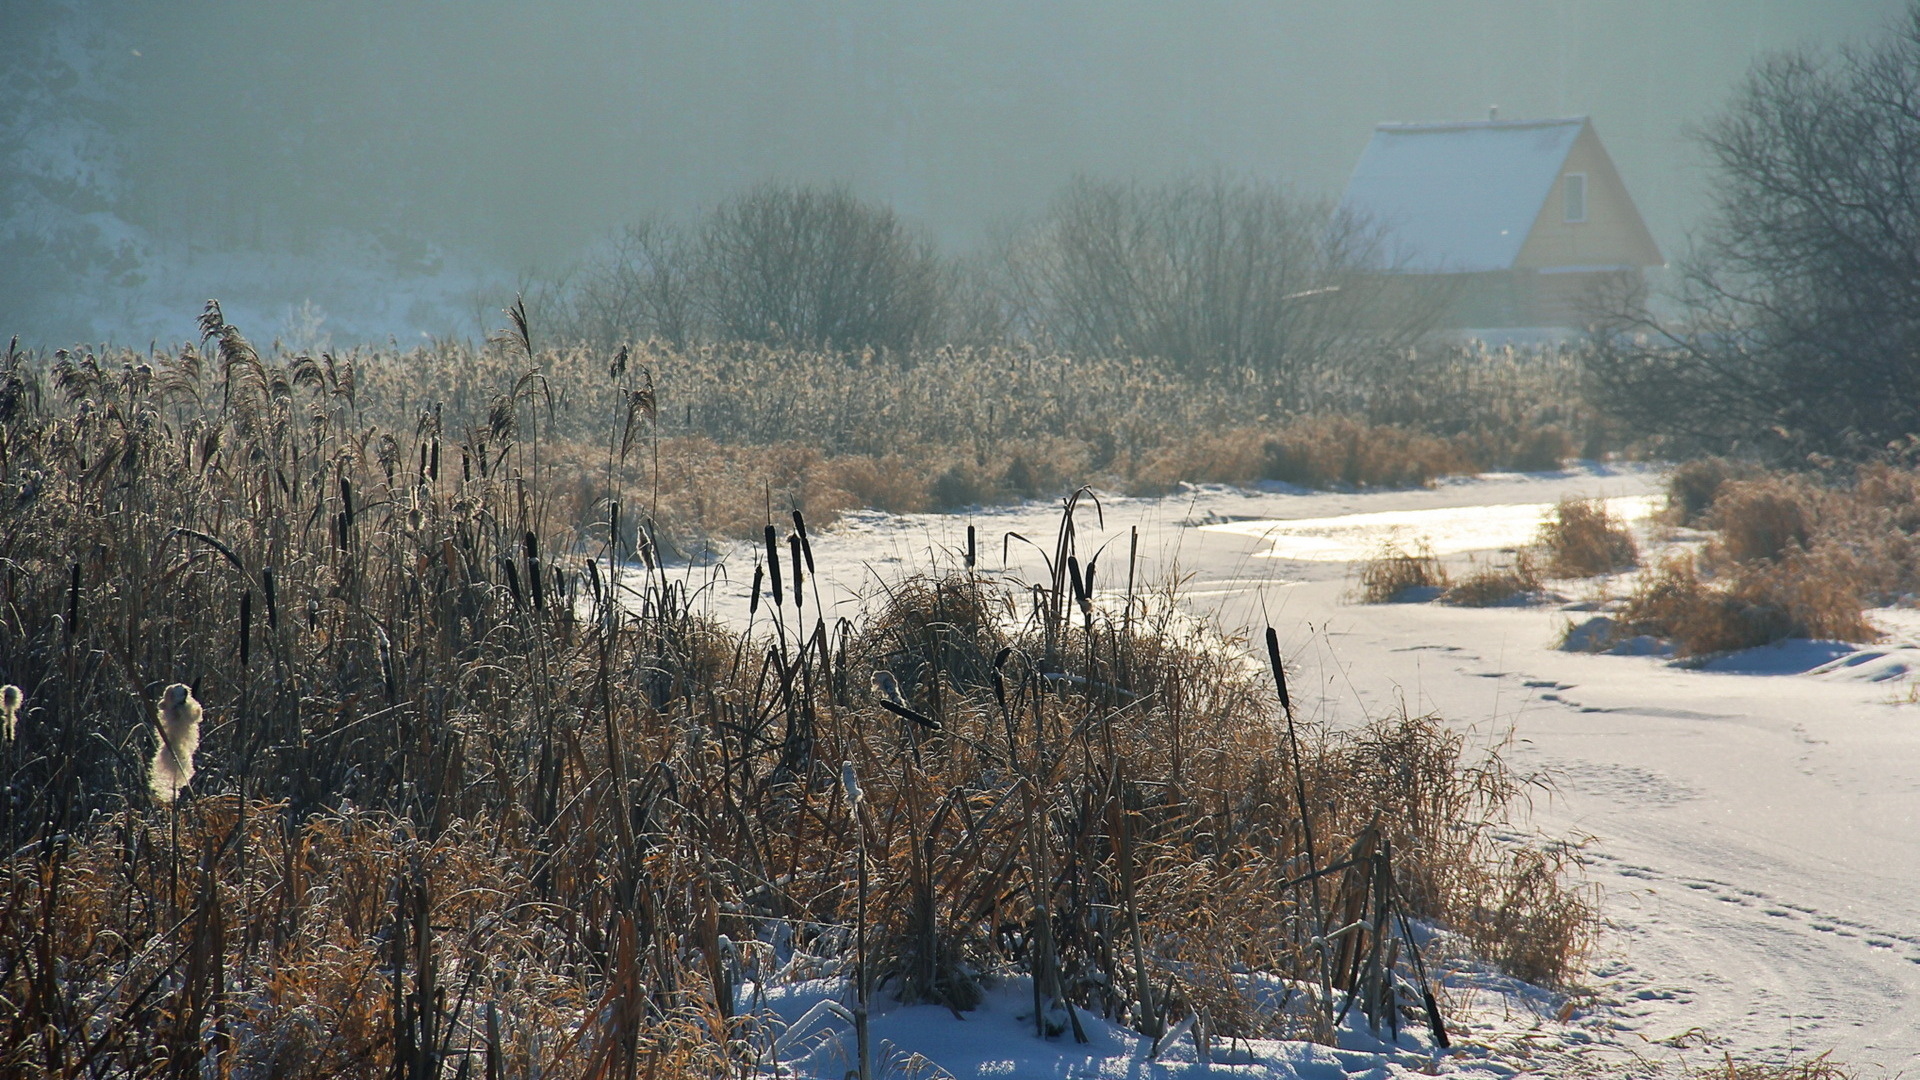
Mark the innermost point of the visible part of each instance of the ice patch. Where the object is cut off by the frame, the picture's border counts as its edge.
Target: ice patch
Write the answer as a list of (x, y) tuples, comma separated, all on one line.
[(1445, 531)]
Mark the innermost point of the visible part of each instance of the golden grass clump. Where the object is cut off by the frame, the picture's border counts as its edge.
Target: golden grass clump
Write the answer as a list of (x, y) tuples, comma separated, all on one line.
[(1497, 583), (1394, 575), (1693, 486), (1764, 519), (1804, 596), (10, 701), (495, 805), (1344, 451), (1582, 539)]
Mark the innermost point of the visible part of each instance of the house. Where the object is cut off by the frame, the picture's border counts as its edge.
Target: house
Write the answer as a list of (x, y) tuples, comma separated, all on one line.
[(1508, 223)]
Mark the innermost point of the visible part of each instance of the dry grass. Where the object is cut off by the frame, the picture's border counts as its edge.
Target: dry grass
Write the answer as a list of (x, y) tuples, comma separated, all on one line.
[(1765, 519), (1817, 1068), (1395, 574), (456, 811), (1343, 451), (1497, 583), (1811, 596), (1792, 555), (1693, 486), (1582, 539), (957, 426)]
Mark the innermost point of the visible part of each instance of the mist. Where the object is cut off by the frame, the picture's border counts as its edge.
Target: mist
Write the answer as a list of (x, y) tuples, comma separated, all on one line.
[(386, 170)]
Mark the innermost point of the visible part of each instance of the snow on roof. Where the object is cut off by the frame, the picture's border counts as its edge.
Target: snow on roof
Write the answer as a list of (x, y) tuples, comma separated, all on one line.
[(1458, 196)]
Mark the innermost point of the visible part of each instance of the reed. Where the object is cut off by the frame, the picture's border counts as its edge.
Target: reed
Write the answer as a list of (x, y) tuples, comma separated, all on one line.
[(483, 800), (1395, 575), (1582, 539)]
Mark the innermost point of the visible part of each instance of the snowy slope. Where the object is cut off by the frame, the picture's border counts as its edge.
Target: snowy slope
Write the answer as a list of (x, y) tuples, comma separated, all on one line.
[(1752, 825)]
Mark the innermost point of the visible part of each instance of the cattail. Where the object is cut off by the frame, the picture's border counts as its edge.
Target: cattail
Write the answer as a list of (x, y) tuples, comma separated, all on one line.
[(534, 583), (888, 687), (806, 545), (850, 783), (178, 719), (773, 565), (799, 580), (10, 699)]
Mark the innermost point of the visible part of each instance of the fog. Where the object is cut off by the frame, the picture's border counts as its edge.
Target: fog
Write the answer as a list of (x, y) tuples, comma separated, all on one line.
[(143, 143)]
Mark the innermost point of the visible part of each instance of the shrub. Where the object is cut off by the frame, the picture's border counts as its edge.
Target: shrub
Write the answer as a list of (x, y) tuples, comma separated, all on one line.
[(1693, 485), (1801, 596), (1395, 575), (1496, 584), (1764, 519), (1582, 539), (1341, 450)]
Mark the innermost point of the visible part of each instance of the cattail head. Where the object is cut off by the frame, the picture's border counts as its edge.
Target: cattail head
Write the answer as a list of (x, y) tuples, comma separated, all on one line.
[(178, 720), (10, 699), (850, 783), (888, 687)]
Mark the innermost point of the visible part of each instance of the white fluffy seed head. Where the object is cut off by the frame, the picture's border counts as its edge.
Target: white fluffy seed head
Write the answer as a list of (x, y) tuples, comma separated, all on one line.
[(850, 783), (178, 718), (888, 687), (10, 699)]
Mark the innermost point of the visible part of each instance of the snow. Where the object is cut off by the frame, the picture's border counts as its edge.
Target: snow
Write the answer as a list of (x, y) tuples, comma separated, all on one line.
[(1458, 197), (1444, 531), (1752, 824), (998, 1040)]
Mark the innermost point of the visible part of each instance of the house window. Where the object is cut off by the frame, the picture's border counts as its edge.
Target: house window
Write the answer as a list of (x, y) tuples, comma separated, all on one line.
[(1575, 192)]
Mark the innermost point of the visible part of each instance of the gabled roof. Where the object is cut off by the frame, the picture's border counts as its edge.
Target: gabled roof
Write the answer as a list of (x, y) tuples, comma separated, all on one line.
[(1458, 197)]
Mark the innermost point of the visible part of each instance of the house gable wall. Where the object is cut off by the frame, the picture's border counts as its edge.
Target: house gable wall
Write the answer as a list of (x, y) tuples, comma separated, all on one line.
[(1612, 234)]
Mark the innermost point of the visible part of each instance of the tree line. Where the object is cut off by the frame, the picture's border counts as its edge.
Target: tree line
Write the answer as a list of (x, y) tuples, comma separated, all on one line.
[(1796, 330), (1216, 277)]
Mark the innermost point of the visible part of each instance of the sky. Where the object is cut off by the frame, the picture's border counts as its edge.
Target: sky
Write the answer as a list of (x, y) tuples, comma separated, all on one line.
[(512, 135)]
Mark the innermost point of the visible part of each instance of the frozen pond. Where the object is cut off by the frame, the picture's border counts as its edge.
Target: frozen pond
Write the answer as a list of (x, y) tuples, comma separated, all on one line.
[(1449, 530)]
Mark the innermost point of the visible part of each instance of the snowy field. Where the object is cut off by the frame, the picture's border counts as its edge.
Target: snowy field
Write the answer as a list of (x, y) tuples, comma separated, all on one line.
[(1749, 823)]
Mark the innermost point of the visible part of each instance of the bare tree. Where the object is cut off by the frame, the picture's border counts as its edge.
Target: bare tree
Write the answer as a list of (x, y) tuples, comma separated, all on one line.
[(817, 266), (642, 286), (1217, 277), (1802, 295)]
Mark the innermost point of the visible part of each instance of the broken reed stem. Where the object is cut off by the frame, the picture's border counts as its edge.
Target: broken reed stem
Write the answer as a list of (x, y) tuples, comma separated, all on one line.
[(1324, 1013)]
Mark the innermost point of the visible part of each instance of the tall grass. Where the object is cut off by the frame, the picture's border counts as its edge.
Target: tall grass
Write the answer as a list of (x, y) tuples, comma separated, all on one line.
[(468, 802), (1788, 556), (949, 427)]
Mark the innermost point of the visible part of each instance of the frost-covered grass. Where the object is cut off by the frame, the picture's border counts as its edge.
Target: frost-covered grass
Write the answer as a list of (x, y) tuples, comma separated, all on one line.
[(465, 799)]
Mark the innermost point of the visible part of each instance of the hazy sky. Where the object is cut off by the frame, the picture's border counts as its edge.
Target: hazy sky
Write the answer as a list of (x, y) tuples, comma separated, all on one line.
[(520, 131)]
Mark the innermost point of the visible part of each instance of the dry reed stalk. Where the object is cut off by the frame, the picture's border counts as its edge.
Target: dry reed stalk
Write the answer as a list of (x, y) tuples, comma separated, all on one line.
[(1581, 539), (566, 814), (1394, 575)]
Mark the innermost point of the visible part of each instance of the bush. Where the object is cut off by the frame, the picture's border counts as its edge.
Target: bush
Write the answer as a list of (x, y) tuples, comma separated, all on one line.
[(1498, 584), (1340, 450), (817, 267), (1800, 325), (1238, 279), (1693, 485), (1396, 575), (1801, 596), (1583, 539), (1763, 519)]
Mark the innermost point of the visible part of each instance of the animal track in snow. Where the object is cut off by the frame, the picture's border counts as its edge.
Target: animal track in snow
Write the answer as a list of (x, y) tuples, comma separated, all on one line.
[(1783, 911)]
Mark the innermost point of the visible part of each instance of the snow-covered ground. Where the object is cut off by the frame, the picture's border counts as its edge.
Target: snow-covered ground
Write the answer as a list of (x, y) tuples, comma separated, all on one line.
[(1751, 823)]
